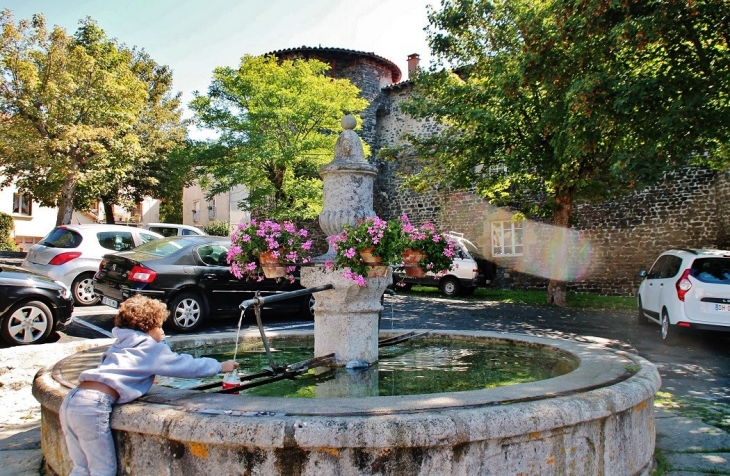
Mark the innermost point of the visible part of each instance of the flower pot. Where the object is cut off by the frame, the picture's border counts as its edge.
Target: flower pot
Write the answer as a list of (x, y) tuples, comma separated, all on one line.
[(368, 257), (410, 260), (374, 271), (271, 266)]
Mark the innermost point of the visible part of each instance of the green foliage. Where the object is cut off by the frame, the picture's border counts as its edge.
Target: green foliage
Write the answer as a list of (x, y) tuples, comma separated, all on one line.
[(560, 100), (180, 173), (85, 117), (218, 228), (7, 225), (278, 122), (549, 102), (537, 298)]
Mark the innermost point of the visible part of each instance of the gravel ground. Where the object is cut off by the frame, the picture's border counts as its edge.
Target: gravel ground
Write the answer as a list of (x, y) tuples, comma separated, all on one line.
[(18, 366)]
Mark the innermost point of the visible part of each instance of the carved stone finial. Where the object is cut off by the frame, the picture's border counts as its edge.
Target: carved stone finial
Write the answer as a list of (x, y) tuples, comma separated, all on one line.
[(348, 122), (348, 146)]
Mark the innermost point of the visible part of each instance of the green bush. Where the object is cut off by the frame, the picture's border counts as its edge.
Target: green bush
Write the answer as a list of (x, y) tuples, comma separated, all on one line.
[(218, 228), (6, 227)]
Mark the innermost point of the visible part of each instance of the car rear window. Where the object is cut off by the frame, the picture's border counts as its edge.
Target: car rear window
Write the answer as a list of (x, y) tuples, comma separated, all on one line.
[(164, 246), (711, 270), (62, 238), (164, 230)]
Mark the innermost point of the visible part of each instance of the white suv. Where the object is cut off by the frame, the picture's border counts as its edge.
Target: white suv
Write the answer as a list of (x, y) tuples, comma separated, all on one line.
[(72, 253), (469, 271), (686, 289)]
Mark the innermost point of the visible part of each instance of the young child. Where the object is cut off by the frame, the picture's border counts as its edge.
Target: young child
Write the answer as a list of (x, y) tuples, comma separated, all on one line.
[(126, 373)]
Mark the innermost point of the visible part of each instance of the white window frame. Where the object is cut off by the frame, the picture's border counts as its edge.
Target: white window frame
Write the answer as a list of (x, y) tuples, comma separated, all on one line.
[(508, 238), (211, 209), (22, 204)]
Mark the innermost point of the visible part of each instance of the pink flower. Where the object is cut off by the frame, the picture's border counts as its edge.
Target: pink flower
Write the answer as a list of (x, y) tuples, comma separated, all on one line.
[(350, 253)]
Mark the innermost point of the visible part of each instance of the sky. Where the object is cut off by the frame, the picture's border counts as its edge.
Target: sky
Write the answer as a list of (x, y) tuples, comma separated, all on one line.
[(195, 36)]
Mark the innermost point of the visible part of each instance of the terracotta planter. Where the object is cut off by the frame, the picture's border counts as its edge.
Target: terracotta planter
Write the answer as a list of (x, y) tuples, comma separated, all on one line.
[(410, 260), (374, 270), (272, 266)]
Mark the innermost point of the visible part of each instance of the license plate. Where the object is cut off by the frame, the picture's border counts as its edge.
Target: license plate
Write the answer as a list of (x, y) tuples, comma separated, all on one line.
[(109, 302), (722, 307)]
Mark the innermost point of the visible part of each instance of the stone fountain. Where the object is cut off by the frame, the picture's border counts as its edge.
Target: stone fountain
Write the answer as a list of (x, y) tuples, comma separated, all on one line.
[(597, 419)]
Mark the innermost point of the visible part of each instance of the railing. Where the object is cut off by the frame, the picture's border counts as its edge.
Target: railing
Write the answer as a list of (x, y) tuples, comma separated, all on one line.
[(259, 301)]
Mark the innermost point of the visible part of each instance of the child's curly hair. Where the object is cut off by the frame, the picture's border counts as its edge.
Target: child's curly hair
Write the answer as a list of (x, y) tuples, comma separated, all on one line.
[(141, 313)]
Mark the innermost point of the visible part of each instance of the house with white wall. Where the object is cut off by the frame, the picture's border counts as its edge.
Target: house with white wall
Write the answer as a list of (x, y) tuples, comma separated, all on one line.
[(33, 221), (199, 211)]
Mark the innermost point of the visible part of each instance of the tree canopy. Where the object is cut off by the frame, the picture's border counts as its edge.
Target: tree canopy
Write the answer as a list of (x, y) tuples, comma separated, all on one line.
[(277, 123), (543, 103), (83, 117)]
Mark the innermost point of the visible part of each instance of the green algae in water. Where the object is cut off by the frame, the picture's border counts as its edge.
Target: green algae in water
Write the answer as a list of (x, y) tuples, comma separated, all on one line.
[(420, 366)]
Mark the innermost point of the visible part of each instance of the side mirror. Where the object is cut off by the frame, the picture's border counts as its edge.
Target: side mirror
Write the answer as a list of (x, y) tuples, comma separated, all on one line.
[(642, 273)]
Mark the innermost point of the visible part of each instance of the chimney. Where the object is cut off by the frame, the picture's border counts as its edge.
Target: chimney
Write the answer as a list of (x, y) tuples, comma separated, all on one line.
[(413, 61)]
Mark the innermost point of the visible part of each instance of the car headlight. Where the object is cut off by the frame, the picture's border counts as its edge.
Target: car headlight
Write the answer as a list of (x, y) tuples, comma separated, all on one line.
[(64, 292)]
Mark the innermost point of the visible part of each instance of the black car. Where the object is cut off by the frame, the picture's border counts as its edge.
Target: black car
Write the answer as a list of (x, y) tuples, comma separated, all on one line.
[(190, 274), (31, 306)]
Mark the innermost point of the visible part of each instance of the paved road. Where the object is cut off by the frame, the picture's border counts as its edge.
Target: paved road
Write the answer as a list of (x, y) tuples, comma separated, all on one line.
[(698, 366)]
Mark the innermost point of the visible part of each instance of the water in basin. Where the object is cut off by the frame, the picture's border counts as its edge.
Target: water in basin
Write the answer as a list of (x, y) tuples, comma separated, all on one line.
[(419, 366)]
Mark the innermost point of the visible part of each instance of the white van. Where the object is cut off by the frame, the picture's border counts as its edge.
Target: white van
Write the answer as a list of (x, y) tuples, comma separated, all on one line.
[(470, 271), (172, 229)]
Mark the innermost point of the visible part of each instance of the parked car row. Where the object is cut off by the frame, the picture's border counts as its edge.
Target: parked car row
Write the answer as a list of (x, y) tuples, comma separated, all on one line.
[(187, 271), (191, 275), (71, 254)]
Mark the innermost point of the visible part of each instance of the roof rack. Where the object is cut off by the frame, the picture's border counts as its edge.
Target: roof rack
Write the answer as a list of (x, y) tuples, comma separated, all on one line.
[(688, 250)]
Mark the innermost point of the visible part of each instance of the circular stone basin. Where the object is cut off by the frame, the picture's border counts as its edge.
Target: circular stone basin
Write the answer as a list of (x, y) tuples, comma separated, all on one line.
[(597, 419), (420, 365)]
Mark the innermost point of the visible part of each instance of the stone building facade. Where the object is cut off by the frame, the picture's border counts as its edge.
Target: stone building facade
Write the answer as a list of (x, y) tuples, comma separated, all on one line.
[(608, 243)]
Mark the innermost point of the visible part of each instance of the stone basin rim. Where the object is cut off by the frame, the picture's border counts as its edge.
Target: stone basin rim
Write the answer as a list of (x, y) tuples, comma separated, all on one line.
[(598, 368)]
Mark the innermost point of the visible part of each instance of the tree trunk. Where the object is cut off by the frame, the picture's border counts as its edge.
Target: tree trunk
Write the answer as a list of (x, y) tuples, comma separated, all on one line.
[(556, 291), (108, 211), (66, 202)]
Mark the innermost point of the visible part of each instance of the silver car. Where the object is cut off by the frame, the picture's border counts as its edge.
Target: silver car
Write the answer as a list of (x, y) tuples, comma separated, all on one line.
[(71, 254)]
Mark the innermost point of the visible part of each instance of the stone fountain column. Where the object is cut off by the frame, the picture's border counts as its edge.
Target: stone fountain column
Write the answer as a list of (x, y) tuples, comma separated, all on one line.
[(346, 317)]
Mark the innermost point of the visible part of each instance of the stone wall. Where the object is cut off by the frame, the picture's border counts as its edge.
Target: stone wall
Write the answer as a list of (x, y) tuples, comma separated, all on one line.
[(370, 77), (609, 242)]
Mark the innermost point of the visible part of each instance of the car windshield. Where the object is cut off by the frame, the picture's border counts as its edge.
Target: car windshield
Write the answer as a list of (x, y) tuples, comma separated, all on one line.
[(61, 237), (164, 246), (711, 270), (473, 251)]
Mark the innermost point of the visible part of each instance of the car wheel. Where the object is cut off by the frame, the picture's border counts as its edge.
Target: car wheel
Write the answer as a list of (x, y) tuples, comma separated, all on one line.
[(83, 290), (450, 286), (308, 306), (27, 323), (186, 312), (641, 318), (669, 332)]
